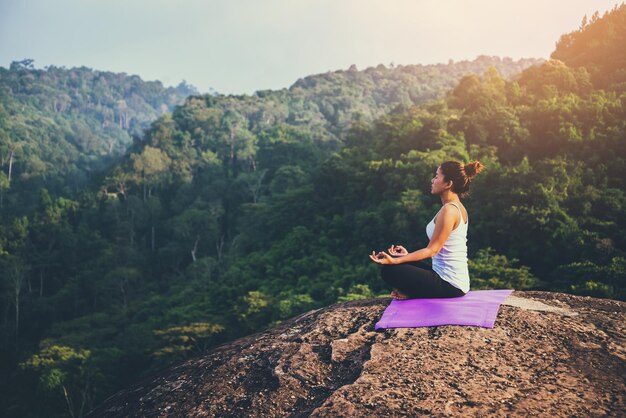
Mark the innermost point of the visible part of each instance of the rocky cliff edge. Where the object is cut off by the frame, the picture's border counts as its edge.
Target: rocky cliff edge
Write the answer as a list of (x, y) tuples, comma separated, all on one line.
[(549, 354)]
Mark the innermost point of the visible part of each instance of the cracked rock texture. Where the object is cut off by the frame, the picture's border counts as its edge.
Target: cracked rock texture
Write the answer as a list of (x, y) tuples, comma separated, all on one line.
[(549, 354)]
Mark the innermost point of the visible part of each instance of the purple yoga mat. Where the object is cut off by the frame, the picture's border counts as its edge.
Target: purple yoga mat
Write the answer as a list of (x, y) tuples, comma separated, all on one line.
[(477, 307)]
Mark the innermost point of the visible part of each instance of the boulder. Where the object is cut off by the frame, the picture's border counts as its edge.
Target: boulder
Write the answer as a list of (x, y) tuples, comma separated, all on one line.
[(549, 354)]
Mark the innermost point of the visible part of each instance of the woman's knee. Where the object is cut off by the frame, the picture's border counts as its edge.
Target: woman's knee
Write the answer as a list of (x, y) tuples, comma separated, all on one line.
[(386, 272)]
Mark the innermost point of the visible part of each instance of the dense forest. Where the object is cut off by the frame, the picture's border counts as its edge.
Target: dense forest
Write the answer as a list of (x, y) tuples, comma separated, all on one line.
[(229, 214)]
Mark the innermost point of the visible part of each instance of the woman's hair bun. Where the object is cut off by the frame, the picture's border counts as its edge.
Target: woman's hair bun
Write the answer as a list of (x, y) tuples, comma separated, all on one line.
[(473, 168)]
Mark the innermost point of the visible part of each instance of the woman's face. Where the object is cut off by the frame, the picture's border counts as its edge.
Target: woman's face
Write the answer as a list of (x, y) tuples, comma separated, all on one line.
[(437, 183)]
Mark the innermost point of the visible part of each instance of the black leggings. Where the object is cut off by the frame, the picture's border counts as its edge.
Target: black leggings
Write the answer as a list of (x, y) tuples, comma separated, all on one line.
[(417, 279)]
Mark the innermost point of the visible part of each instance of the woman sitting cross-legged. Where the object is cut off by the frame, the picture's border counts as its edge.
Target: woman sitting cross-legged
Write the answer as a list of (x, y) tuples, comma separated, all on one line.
[(447, 231)]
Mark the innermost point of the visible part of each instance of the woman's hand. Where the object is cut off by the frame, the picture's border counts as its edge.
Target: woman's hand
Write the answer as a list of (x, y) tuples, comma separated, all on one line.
[(397, 250), (381, 258)]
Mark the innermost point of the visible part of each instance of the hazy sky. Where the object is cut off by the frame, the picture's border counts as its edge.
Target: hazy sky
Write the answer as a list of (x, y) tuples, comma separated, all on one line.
[(240, 46)]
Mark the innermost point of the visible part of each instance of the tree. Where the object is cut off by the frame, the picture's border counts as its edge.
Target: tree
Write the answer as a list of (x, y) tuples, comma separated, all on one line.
[(150, 167), (597, 46), (4, 184), (62, 369), (256, 309), (13, 267)]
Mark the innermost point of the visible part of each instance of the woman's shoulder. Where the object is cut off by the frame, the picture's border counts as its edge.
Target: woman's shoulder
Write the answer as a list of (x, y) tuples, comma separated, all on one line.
[(446, 210), (449, 210)]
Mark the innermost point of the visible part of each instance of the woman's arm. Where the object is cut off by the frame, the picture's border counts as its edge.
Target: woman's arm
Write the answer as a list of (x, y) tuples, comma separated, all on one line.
[(443, 229)]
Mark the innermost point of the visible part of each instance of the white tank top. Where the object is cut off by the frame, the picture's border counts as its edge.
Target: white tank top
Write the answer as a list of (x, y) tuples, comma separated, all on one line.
[(451, 261)]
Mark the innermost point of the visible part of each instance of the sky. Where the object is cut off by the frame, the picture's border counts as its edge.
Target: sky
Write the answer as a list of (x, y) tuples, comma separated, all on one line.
[(241, 46)]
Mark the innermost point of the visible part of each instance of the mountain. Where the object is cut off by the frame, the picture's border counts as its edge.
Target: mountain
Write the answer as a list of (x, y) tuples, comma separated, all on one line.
[(550, 354), (60, 121), (61, 128), (343, 95)]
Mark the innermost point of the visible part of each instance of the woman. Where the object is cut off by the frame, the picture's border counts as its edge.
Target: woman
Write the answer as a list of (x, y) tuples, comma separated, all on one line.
[(447, 232)]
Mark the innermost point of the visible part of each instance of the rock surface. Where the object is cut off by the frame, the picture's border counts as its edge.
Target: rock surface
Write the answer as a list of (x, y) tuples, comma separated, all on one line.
[(549, 354)]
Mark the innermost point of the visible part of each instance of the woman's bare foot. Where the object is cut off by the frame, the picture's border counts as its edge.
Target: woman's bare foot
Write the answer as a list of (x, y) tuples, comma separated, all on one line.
[(396, 294)]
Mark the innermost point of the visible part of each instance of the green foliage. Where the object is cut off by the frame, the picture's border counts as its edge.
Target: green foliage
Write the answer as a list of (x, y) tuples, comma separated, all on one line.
[(356, 292), (255, 309), (598, 46), (178, 342), (66, 373), (591, 288), (599, 280), (489, 270), (291, 304), (59, 125)]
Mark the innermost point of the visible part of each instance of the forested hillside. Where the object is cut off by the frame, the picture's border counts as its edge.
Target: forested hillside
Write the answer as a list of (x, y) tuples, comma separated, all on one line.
[(235, 212), (61, 128), (58, 121)]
